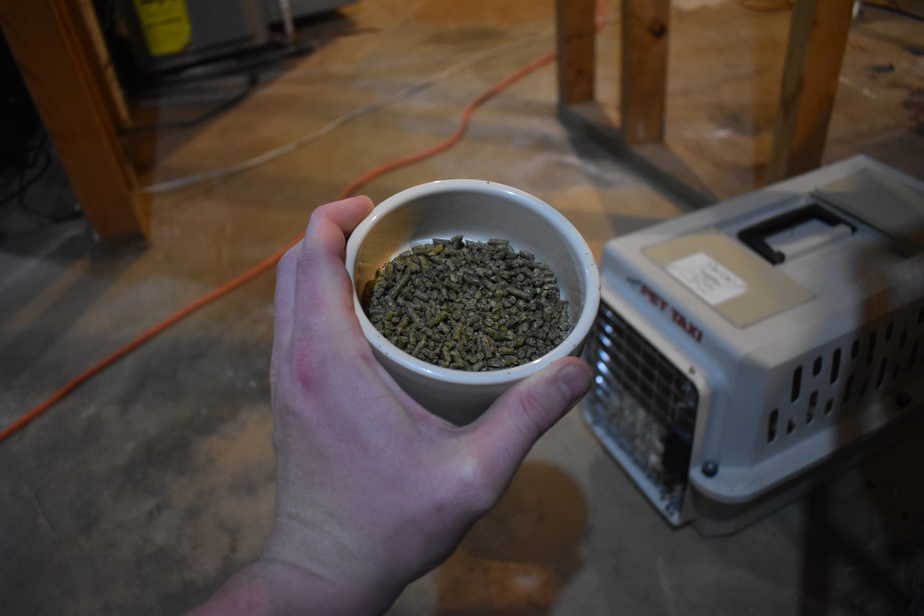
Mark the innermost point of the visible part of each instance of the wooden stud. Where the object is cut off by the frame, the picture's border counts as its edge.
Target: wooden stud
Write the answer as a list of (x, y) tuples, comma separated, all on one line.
[(655, 162), (817, 40), (576, 33), (645, 34), (109, 84), (55, 53)]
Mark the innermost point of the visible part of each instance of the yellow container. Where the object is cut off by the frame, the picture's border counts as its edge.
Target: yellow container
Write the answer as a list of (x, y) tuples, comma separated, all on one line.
[(166, 25)]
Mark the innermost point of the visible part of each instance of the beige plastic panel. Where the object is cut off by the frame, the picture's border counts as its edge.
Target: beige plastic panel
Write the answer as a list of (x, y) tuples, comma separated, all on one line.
[(769, 291)]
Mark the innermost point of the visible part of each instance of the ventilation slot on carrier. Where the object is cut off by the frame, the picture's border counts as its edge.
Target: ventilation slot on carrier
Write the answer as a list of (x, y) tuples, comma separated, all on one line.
[(772, 424), (882, 371), (813, 404), (871, 351), (847, 389), (877, 358)]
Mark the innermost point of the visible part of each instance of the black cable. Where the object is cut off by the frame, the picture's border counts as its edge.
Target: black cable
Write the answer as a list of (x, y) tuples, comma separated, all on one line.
[(888, 8), (43, 150), (25, 185), (217, 69), (235, 100)]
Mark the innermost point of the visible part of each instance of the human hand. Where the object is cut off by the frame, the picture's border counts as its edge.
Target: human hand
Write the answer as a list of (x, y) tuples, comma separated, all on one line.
[(372, 489)]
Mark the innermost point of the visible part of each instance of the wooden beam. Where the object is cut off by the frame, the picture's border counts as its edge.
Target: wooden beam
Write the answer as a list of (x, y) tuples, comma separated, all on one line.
[(55, 53), (666, 172), (87, 23), (576, 34), (645, 34), (817, 40)]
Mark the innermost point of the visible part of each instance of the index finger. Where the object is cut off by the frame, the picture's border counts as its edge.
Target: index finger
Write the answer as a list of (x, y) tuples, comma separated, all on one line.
[(331, 223), (324, 323)]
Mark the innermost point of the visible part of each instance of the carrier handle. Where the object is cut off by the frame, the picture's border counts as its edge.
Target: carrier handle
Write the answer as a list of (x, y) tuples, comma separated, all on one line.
[(755, 236)]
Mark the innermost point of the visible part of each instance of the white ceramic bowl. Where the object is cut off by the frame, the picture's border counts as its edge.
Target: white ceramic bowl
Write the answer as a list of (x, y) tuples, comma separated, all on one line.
[(479, 210)]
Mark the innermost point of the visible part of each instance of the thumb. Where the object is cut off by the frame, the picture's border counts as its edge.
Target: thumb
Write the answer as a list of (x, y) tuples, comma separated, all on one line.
[(503, 436)]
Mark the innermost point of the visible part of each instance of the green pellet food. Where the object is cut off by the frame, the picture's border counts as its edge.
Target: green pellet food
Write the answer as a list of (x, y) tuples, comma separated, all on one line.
[(468, 305)]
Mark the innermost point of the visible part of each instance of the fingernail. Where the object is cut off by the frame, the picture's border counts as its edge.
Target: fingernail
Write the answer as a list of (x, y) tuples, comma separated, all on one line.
[(575, 378)]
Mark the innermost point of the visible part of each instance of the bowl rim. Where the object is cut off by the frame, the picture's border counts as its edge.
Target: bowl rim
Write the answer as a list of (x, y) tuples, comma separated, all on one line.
[(573, 238)]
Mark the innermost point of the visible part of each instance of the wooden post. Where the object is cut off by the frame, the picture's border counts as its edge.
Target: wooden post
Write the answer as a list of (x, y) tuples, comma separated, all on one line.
[(576, 33), (817, 40), (109, 84), (54, 50), (645, 33)]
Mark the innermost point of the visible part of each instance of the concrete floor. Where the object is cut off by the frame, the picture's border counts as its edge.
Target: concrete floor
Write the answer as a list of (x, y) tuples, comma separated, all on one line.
[(147, 487)]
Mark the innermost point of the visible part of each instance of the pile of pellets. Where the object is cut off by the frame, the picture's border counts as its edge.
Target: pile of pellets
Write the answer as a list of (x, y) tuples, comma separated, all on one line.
[(468, 305)]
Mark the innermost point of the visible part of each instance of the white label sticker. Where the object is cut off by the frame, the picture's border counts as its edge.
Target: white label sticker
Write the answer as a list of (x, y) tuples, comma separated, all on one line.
[(708, 278)]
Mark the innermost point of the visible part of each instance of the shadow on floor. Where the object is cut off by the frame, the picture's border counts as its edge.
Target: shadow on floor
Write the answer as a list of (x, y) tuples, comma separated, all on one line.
[(171, 107), (863, 539), (519, 557), (69, 270), (592, 135)]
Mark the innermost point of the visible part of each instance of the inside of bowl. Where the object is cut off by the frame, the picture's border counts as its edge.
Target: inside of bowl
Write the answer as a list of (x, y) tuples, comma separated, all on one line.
[(476, 216)]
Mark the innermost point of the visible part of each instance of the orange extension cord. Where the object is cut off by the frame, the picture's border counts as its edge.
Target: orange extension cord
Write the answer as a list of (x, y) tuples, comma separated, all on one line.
[(270, 262)]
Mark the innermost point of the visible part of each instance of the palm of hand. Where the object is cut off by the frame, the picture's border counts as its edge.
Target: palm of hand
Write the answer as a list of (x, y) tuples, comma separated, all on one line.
[(373, 490)]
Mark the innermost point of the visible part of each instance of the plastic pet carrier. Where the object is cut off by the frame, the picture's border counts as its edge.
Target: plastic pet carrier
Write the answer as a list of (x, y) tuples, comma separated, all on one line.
[(743, 351)]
